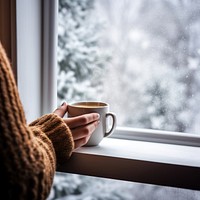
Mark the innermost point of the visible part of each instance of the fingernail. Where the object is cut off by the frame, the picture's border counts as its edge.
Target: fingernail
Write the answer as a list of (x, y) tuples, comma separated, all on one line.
[(63, 104), (98, 115)]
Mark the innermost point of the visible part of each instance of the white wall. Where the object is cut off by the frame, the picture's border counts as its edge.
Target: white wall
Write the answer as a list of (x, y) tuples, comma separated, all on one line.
[(36, 56), (29, 56)]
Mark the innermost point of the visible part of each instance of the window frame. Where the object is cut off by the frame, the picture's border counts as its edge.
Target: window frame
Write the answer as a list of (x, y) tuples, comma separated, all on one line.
[(8, 31), (86, 157), (158, 136)]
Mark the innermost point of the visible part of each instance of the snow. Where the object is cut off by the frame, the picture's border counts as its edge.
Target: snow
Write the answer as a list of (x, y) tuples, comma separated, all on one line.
[(76, 187)]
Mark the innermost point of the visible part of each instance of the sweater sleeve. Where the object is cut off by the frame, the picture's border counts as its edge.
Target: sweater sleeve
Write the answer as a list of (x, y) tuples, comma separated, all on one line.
[(27, 154), (58, 132)]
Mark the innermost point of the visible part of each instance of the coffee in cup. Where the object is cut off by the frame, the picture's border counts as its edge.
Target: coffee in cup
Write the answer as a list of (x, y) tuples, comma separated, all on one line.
[(102, 109)]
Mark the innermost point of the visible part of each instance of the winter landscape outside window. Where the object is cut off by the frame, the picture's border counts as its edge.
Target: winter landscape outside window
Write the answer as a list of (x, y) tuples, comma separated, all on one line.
[(143, 58)]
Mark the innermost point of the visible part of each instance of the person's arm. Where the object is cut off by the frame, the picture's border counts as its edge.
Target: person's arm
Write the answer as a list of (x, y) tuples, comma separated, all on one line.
[(57, 128), (29, 153), (27, 156), (81, 126), (58, 132)]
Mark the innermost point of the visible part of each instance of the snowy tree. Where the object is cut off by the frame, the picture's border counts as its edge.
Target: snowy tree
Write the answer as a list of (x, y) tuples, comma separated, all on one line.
[(81, 62)]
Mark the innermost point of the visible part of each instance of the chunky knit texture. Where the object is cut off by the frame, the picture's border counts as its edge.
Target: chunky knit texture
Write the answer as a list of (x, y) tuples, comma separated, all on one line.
[(28, 153)]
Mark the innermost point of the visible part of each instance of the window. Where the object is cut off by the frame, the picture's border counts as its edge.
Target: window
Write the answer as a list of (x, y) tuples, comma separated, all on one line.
[(140, 56), (143, 58)]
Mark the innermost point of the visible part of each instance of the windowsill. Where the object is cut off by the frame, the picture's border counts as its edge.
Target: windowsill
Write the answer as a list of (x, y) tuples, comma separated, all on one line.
[(139, 161)]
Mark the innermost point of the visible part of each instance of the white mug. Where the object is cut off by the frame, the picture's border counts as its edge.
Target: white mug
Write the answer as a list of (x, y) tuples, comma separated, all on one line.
[(102, 108)]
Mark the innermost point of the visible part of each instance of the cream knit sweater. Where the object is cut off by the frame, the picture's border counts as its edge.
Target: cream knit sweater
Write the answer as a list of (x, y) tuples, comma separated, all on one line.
[(29, 154)]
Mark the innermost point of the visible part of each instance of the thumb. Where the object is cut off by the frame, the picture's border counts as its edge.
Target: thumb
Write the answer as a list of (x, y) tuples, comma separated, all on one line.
[(61, 111)]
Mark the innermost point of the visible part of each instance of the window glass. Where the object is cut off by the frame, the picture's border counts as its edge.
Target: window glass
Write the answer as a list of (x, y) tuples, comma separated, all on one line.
[(142, 57)]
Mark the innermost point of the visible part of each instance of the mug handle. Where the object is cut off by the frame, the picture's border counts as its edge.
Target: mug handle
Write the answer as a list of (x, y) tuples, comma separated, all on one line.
[(114, 120)]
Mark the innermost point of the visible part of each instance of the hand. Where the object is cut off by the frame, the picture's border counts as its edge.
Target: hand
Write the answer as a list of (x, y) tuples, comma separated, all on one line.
[(81, 127)]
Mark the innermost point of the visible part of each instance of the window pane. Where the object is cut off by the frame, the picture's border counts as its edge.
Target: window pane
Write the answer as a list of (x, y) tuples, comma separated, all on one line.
[(142, 57)]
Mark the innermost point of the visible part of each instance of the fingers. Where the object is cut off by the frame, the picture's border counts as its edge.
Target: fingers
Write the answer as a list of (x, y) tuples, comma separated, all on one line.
[(61, 111), (80, 142), (82, 127), (81, 120), (82, 139), (84, 131)]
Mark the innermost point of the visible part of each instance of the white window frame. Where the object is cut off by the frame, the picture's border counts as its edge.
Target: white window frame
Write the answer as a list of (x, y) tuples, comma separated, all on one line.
[(158, 136), (140, 155)]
